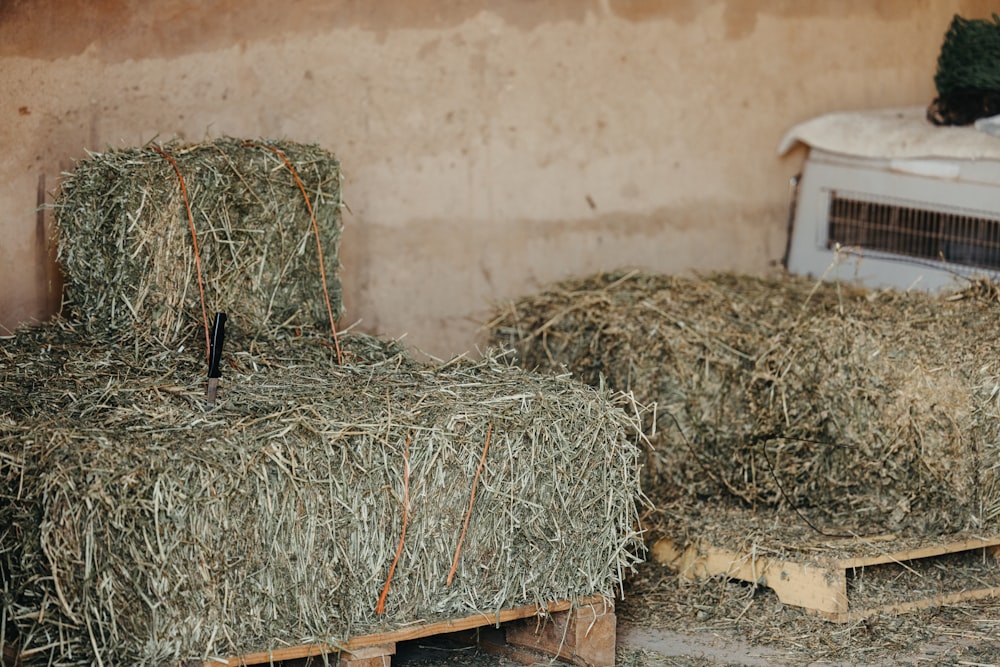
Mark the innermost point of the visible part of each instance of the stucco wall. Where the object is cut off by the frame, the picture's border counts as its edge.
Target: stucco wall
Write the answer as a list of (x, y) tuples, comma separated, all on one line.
[(489, 147)]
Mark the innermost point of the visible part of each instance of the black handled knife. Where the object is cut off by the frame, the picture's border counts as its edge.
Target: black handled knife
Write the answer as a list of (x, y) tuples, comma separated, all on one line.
[(214, 357)]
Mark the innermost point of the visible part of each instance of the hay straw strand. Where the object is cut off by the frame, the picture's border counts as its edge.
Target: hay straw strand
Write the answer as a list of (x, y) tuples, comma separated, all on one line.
[(194, 242), (380, 607), (319, 244), (472, 499)]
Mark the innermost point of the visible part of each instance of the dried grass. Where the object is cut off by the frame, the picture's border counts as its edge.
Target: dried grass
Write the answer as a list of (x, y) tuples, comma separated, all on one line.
[(732, 613), (864, 411), (138, 527), (127, 251)]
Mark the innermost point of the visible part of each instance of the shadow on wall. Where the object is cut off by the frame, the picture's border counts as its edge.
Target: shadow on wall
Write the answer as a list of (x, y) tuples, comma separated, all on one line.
[(46, 299)]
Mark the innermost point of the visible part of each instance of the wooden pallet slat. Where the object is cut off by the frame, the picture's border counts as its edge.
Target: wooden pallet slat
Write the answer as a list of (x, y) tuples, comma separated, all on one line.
[(417, 631)]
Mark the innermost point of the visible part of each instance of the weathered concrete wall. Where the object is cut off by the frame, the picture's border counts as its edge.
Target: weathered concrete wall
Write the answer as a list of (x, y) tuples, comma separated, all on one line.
[(489, 147)]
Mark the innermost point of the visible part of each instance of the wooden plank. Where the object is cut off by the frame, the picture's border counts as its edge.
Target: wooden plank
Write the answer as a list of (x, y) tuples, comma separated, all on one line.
[(818, 587), (417, 631), (914, 605), (48, 276), (806, 585), (42, 249), (922, 552)]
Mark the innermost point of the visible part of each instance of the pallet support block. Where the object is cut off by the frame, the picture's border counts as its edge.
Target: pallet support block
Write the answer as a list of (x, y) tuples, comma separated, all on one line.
[(584, 636), (379, 655), (817, 588)]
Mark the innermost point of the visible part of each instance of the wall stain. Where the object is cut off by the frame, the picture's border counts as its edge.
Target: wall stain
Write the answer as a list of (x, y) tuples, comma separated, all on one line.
[(684, 11), (681, 11), (740, 16), (117, 30)]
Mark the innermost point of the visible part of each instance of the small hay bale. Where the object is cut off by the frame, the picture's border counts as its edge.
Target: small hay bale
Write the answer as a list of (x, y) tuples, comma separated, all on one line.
[(127, 249), (864, 411), (137, 527)]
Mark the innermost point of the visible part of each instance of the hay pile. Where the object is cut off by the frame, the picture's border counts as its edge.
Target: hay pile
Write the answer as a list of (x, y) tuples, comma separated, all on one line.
[(323, 497), (864, 411), (127, 247)]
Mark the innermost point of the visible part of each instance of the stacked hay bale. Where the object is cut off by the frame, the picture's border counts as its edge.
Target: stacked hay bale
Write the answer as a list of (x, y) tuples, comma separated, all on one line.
[(128, 250), (137, 526), (864, 411)]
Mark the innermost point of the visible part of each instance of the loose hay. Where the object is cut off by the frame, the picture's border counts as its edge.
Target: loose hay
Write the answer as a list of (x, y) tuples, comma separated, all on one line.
[(138, 528), (128, 253), (736, 614), (864, 411)]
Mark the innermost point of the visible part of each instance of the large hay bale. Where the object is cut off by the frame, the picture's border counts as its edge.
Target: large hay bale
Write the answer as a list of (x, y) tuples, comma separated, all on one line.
[(137, 527), (864, 411), (127, 249)]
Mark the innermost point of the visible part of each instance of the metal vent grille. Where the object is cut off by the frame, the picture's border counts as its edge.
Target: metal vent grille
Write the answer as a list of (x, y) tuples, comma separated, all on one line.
[(955, 237)]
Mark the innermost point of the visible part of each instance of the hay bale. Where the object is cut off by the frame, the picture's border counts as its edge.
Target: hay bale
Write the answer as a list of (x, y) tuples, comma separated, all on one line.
[(127, 249), (138, 528), (863, 411)]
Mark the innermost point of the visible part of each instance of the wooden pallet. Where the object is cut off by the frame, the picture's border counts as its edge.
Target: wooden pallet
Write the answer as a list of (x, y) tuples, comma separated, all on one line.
[(820, 584), (580, 632)]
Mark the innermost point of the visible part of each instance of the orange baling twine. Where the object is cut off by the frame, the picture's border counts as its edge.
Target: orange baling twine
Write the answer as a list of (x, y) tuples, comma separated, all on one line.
[(197, 253), (319, 245), (468, 513), (380, 607)]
